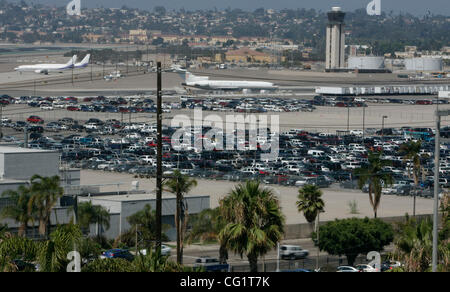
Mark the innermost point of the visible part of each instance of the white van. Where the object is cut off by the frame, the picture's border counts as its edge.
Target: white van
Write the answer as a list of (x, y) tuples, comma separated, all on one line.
[(316, 153)]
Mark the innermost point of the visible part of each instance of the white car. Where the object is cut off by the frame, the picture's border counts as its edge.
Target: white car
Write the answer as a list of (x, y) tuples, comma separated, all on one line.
[(165, 250), (293, 252), (366, 268), (346, 269), (46, 107)]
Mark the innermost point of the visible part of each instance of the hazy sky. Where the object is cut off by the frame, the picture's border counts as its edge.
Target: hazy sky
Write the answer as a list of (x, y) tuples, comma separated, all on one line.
[(417, 7)]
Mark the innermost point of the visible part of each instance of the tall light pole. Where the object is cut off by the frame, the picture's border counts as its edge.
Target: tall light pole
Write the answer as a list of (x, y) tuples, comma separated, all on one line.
[(382, 127)]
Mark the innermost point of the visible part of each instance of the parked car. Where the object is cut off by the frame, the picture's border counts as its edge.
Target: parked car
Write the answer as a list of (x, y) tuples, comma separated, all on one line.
[(366, 268), (35, 120), (117, 253), (346, 269), (293, 252)]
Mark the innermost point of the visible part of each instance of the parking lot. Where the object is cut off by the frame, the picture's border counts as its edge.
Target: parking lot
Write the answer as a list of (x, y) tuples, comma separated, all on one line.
[(115, 139)]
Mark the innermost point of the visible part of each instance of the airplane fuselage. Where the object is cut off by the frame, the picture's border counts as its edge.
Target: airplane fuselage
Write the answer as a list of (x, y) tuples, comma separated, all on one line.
[(231, 85)]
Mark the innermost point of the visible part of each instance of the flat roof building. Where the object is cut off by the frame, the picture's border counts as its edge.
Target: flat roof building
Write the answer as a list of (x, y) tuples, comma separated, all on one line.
[(120, 207)]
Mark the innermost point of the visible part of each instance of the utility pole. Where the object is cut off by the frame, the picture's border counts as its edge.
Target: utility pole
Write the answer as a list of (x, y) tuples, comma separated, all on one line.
[(25, 142), (1, 122), (92, 62), (364, 123), (348, 119), (318, 249), (129, 111), (382, 128), (159, 160), (127, 60)]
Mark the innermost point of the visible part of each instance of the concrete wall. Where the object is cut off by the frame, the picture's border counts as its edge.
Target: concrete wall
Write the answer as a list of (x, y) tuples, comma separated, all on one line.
[(22, 166), (296, 231)]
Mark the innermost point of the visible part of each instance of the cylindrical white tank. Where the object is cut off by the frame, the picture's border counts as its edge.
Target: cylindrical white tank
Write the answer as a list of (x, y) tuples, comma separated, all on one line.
[(366, 63), (424, 64)]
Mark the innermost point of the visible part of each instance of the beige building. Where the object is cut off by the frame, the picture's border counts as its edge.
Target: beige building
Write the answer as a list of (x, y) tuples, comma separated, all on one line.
[(247, 55), (138, 35)]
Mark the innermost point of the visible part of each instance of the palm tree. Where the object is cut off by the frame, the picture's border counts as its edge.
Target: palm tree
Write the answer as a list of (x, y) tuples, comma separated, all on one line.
[(45, 192), (93, 214), (206, 226), (16, 247), (255, 221), (310, 202), (411, 152), (52, 254), (180, 185), (17, 209), (375, 176)]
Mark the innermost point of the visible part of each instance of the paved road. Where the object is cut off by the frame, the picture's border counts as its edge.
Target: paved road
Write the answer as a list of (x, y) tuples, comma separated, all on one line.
[(270, 260)]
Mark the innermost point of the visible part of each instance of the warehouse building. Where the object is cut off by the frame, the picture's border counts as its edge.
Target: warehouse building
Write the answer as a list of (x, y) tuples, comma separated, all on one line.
[(424, 64), (120, 207)]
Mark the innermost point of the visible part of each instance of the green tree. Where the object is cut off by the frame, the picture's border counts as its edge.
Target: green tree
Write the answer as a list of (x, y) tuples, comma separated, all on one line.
[(180, 185), (108, 266), (206, 226), (414, 246), (144, 222), (376, 177), (16, 248), (255, 221), (310, 202), (351, 237), (52, 255), (3, 230), (93, 214), (411, 152), (17, 208), (45, 194), (154, 262)]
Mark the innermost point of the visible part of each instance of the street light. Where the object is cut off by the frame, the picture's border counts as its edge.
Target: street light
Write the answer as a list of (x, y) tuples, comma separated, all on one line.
[(382, 127)]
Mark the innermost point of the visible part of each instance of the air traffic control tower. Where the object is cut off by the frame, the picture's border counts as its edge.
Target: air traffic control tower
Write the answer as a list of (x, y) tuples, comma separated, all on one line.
[(335, 48)]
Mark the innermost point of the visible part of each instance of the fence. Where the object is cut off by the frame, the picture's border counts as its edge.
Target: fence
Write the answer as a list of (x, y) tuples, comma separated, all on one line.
[(326, 264)]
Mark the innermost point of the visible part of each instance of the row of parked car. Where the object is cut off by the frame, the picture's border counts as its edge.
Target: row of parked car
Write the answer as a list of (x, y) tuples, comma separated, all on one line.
[(304, 157)]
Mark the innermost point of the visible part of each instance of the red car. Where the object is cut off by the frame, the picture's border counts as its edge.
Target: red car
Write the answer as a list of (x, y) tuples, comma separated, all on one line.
[(35, 120), (73, 108)]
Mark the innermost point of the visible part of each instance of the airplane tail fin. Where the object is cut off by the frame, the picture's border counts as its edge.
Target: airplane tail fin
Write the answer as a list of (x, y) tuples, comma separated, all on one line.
[(72, 61), (192, 78), (186, 75), (84, 62)]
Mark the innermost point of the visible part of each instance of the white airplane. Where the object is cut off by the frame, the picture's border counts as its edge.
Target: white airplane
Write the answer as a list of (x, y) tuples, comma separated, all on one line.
[(203, 82), (84, 63), (46, 68)]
